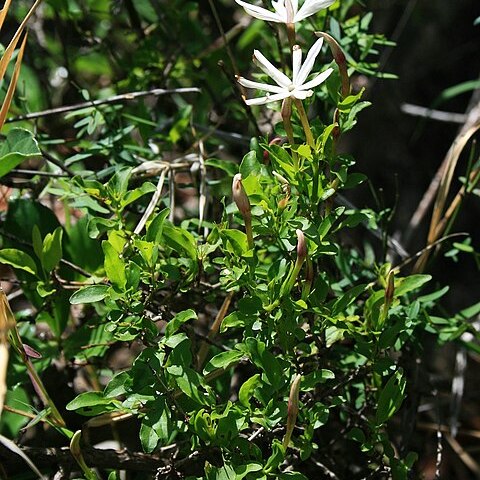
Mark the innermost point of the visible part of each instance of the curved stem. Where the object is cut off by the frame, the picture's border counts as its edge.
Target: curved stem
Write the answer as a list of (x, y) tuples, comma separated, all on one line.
[(305, 123)]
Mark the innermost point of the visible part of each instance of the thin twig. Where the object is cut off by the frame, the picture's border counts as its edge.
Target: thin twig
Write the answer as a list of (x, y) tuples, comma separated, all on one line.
[(418, 111), (95, 103)]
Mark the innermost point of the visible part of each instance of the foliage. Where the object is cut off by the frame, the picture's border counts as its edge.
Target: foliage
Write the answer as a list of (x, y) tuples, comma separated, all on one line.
[(218, 307)]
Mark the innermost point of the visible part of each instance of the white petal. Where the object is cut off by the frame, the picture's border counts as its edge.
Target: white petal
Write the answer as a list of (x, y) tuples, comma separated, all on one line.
[(317, 80), (279, 7), (289, 8), (259, 12), (267, 99), (261, 86), (273, 72), (309, 61), (296, 62), (295, 6), (310, 7), (302, 94)]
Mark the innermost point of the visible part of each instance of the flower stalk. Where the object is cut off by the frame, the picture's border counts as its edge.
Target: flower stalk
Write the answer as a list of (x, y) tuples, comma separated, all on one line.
[(305, 123), (307, 284), (301, 257)]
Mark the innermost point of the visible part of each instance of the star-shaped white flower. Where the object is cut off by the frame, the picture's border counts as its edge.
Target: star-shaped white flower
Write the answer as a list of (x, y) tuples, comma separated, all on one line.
[(296, 87), (286, 11)]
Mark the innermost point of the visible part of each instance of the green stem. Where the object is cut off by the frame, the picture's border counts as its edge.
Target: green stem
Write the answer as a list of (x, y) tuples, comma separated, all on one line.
[(287, 124), (305, 123), (249, 231)]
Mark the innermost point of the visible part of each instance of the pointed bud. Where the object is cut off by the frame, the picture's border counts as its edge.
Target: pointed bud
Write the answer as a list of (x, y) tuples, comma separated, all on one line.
[(340, 60), (240, 197), (390, 289), (301, 246), (292, 411)]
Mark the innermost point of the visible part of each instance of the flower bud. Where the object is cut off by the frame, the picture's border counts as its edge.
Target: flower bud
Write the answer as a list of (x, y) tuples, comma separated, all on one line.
[(301, 246), (390, 289), (240, 197), (292, 411)]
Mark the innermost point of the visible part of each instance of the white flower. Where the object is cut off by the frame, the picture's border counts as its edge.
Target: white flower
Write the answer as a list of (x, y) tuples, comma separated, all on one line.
[(296, 87), (286, 11)]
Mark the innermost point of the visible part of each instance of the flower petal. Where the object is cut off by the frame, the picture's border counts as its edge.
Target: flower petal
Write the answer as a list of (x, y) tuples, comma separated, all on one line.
[(279, 7), (273, 72), (310, 7), (290, 11), (302, 94), (309, 62), (267, 98), (317, 80), (261, 86), (261, 13), (296, 62)]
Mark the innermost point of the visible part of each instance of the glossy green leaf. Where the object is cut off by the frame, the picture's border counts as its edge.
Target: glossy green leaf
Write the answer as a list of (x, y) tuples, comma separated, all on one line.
[(18, 146), (89, 294), (114, 266), (18, 259), (391, 397), (178, 320), (52, 249)]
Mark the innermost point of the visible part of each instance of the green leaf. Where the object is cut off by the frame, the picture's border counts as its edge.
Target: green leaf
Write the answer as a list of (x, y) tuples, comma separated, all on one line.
[(410, 283), (90, 294), (266, 361), (155, 426), (276, 458), (133, 195), (37, 243), (189, 382), (247, 389), (223, 360), (92, 404), (236, 242), (348, 102), (178, 320), (291, 476), (243, 470), (52, 249), (114, 266), (155, 227), (250, 165), (180, 240), (19, 145), (391, 397), (310, 380), (18, 259)]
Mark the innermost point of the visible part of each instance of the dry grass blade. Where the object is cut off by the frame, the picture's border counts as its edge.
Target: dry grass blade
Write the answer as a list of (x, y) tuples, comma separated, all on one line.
[(3, 372), (3, 12), (153, 202), (447, 177), (5, 325), (13, 83), (440, 216), (5, 60), (15, 449)]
